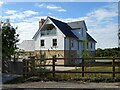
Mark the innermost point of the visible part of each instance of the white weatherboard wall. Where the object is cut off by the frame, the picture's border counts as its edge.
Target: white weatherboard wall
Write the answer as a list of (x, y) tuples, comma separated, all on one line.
[(93, 46), (48, 40), (68, 44)]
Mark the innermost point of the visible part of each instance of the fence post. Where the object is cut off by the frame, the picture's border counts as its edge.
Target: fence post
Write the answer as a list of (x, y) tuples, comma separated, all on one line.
[(33, 66), (82, 67), (27, 68), (113, 64), (54, 59), (24, 68)]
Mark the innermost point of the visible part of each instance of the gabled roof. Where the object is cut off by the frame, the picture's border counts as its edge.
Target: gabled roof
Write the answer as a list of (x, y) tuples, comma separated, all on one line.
[(77, 24), (27, 45), (64, 27), (89, 38)]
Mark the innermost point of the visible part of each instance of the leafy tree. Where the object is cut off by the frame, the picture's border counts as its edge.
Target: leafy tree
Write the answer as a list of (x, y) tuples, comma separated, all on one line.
[(9, 40), (109, 52), (86, 51)]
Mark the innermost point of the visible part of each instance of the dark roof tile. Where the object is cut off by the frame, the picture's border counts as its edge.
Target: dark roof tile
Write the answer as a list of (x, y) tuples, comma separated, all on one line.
[(64, 27)]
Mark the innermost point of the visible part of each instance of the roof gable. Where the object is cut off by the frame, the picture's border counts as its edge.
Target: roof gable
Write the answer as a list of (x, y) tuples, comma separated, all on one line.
[(77, 24), (64, 27), (39, 30)]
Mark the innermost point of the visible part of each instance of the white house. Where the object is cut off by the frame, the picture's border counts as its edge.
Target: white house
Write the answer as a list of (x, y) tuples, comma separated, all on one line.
[(62, 39)]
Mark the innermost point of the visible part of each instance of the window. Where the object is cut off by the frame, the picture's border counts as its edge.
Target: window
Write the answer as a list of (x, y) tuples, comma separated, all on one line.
[(91, 46), (49, 30), (54, 42), (42, 42), (87, 45), (72, 43)]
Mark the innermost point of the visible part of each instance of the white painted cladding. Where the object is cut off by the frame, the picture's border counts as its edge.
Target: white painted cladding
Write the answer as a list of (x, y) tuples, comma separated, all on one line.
[(48, 40), (68, 44), (91, 48)]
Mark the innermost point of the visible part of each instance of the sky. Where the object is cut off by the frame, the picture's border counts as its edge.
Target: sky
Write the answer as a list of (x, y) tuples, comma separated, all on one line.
[(101, 18)]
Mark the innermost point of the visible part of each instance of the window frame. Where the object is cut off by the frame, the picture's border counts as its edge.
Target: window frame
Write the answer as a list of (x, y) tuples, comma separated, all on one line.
[(42, 43), (87, 45), (91, 45), (54, 43), (72, 43)]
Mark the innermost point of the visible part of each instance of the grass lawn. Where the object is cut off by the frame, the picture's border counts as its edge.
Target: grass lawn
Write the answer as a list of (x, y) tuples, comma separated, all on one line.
[(90, 75), (75, 76)]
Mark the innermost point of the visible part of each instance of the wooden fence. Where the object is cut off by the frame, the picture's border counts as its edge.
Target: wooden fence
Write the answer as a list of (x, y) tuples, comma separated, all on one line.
[(11, 67), (30, 64)]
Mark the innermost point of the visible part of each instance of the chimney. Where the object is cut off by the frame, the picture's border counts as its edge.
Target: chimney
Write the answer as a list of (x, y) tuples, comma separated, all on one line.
[(41, 22)]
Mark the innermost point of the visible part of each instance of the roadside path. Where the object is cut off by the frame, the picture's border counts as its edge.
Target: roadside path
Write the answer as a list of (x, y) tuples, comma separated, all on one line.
[(63, 85)]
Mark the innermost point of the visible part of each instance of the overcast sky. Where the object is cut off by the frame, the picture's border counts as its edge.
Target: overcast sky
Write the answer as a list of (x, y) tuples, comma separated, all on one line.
[(101, 18)]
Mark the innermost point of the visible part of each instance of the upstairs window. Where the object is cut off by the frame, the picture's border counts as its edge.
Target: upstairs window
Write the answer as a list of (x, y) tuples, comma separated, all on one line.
[(42, 43), (54, 42), (48, 29)]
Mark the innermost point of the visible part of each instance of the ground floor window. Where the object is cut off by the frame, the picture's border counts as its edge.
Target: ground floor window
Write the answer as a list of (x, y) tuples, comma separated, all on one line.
[(42, 43), (54, 42)]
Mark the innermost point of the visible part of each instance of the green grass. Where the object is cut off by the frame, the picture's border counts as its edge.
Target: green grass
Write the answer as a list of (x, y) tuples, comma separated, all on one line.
[(73, 76), (90, 75)]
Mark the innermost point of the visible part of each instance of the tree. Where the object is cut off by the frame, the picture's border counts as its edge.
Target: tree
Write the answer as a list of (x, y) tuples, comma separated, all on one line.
[(86, 51), (109, 52), (9, 40)]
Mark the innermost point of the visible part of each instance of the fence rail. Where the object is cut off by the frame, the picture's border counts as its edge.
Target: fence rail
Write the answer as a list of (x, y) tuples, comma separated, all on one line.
[(30, 64)]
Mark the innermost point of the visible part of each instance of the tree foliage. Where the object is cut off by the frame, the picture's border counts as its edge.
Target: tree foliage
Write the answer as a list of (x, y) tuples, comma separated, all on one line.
[(9, 39), (86, 51), (110, 52)]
